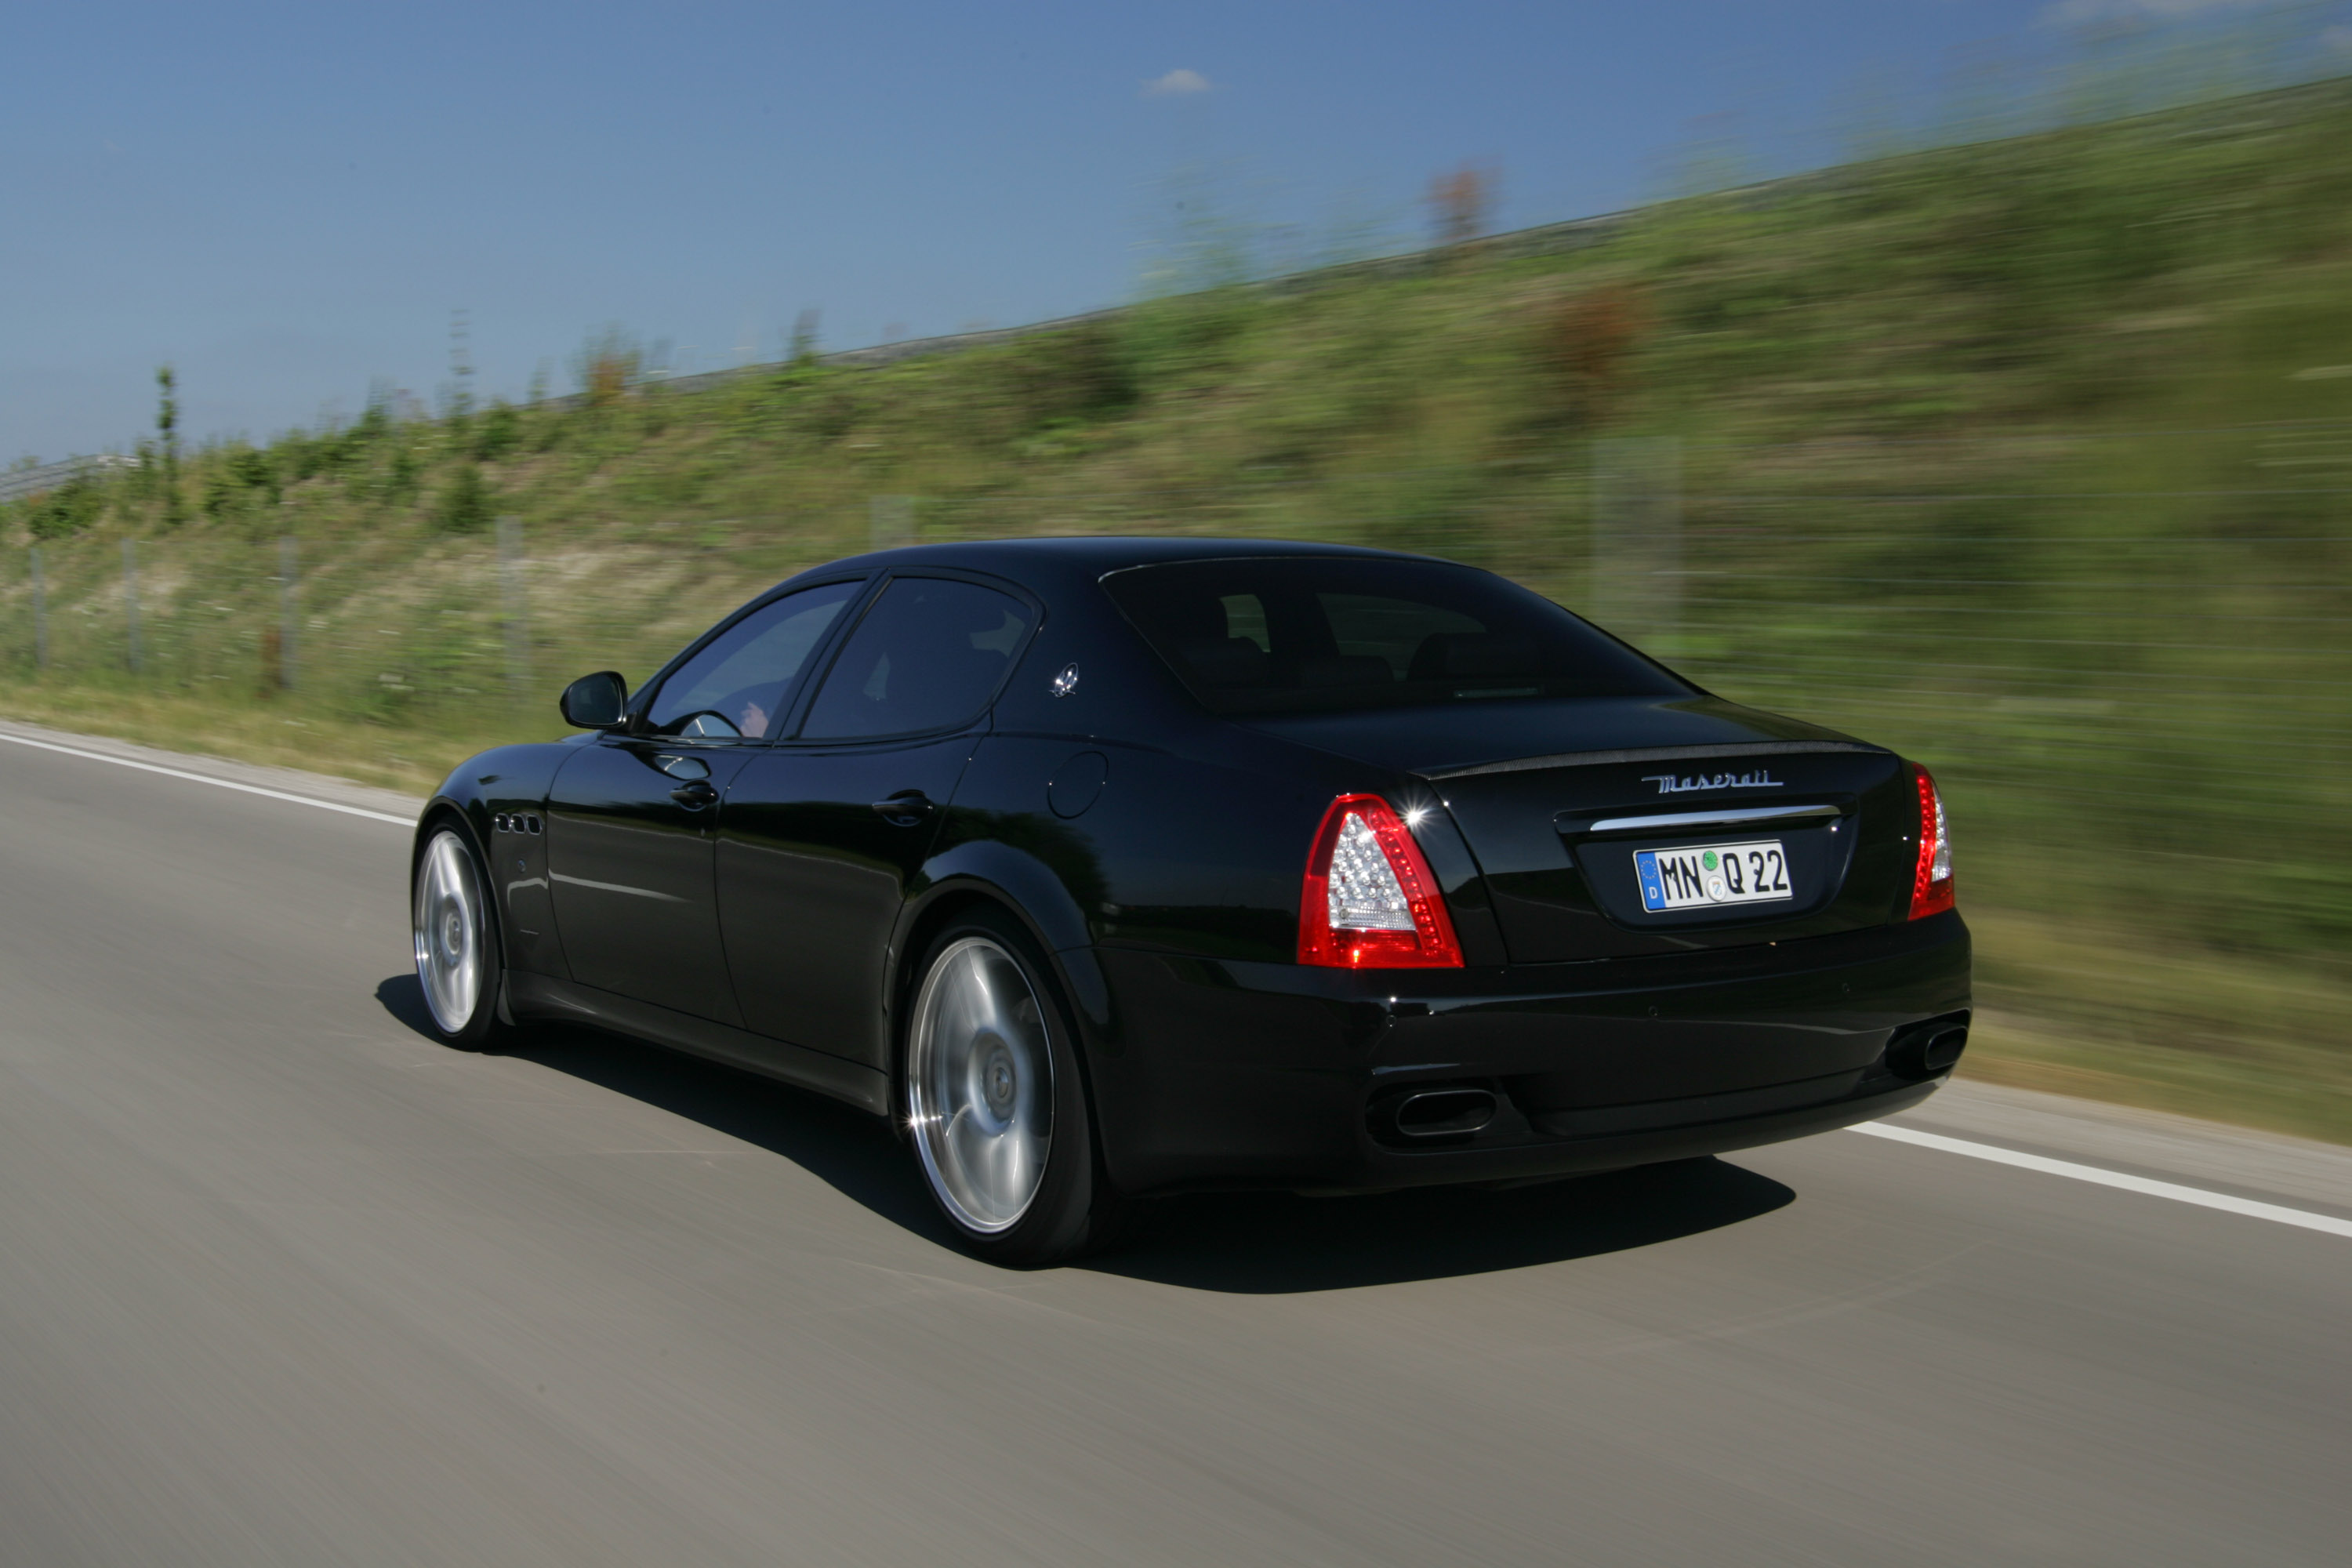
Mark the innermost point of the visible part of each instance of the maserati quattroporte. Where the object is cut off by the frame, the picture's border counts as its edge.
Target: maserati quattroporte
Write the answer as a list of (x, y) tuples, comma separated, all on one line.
[(1111, 867)]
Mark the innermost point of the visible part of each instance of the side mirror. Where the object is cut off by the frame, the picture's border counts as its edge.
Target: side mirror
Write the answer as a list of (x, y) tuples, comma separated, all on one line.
[(595, 702)]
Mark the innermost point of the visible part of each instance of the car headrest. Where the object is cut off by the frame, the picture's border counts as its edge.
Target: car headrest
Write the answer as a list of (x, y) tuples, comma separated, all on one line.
[(1225, 661), (1451, 656)]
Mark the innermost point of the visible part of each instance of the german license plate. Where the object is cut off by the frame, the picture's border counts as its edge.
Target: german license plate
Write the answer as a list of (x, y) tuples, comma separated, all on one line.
[(1710, 874)]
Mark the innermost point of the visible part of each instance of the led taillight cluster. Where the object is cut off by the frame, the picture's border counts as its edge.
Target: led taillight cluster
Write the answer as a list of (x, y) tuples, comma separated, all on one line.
[(1369, 901), (1931, 877)]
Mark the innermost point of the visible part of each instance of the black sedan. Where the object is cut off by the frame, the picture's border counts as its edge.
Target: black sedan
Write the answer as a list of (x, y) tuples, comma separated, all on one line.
[(1109, 867)]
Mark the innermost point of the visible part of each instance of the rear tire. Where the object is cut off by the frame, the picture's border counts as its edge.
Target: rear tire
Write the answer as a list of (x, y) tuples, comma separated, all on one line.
[(996, 1103), (460, 962)]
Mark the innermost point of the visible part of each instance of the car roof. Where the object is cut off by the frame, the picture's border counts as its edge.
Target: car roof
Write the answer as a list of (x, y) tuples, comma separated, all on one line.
[(1092, 556)]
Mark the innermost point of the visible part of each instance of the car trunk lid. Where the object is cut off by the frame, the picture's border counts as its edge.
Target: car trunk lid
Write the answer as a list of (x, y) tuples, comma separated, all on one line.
[(1559, 801)]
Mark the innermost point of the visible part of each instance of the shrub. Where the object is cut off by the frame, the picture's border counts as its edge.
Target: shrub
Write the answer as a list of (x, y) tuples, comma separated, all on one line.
[(242, 471), (401, 474), (67, 509), (498, 433), (1073, 376), (1185, 336), (1585, 341), (465, 505)]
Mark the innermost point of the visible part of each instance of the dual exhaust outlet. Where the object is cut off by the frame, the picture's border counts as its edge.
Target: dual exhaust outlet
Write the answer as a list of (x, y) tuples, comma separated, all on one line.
[(1444, 1112)]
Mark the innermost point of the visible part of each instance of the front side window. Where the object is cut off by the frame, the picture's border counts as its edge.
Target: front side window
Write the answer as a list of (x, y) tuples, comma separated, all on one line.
[(735, 686), (1269, 634), (929, 654)]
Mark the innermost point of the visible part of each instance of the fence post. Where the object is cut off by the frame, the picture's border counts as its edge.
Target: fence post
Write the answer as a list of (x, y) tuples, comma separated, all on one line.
[(131, 602), (890, 521), (40, 614), (1637, 536), (515, 606), (288, 620)]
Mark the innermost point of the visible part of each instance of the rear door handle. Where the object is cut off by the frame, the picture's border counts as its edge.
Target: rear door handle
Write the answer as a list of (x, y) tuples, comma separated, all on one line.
[(905, 809), (695, 795)]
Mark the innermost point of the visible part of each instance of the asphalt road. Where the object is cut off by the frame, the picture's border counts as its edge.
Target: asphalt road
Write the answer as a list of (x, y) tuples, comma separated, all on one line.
[(282, 1281)]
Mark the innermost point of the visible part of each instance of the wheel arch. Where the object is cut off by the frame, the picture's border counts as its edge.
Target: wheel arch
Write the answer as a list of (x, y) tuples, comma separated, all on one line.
[(1028, 892), (470, 818), (441, 811)]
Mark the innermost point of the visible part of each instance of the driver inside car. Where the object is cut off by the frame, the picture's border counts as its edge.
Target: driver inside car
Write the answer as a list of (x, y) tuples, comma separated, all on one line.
[(732, 687)]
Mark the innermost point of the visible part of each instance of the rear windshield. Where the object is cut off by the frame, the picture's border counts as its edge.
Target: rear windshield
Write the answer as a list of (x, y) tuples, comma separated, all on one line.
[(1317, 634)]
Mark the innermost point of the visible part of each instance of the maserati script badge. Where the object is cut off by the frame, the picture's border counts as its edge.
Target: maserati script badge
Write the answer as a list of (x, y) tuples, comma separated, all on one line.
[(1669, 784)]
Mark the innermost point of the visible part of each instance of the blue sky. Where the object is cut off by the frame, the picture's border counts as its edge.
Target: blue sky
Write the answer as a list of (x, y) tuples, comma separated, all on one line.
[(287, 202)]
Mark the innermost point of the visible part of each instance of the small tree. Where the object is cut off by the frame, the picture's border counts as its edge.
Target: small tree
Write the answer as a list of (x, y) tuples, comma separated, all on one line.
[(1461, 204), (167, 431), (459, 399), (465, 505), (610, 363)]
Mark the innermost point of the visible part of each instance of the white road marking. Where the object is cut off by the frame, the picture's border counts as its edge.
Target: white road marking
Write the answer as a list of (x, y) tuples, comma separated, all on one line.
[(217, 784), (2047, 1167)]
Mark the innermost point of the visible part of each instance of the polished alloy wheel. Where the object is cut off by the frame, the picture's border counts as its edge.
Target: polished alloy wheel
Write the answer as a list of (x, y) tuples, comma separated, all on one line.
[(452, 936), (980, 1074)]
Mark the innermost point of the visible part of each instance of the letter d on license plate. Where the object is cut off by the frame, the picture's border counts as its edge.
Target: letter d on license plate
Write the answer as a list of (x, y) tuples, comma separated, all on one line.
[(1709, 874)]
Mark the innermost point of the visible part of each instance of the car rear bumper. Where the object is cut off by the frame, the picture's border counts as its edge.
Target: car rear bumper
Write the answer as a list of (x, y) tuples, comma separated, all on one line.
[(1211, 1073)]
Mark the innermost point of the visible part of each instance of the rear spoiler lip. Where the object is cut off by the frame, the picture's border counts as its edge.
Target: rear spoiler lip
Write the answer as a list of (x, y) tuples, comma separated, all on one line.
[(1654, 754)]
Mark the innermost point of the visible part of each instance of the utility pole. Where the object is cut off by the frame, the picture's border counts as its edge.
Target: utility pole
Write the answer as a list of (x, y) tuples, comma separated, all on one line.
[(516, 604), (131, 602), (1637, 536), (889, 521), (287, 621)]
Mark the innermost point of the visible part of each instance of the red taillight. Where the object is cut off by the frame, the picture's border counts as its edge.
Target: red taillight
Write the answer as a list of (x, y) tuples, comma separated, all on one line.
[(1369, 901), (1931, 878)]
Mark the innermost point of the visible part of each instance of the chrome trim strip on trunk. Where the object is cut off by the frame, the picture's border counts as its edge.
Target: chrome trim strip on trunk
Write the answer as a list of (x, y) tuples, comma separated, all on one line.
[(1651, 754), (1684, 821)]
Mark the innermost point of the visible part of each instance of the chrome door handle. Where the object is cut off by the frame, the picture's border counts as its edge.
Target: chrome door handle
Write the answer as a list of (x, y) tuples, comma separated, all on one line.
[(905, 809), (694, 797)]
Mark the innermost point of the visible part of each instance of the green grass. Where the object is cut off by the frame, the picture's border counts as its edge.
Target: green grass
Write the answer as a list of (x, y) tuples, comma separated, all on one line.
[(2031, 458)]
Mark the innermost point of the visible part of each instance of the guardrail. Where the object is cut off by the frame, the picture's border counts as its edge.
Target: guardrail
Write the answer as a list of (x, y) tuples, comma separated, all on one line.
[(17, 483)]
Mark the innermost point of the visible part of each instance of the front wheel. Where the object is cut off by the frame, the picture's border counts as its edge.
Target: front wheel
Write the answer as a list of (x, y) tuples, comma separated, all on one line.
[(457, 955), (995, 1102)]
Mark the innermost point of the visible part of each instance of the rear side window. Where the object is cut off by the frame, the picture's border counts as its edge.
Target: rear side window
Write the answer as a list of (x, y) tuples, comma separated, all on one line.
[(929, 654), (1317, 633)]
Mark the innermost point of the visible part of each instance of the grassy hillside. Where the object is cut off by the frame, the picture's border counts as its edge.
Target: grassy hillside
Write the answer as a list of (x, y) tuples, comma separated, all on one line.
[(2031, 457)]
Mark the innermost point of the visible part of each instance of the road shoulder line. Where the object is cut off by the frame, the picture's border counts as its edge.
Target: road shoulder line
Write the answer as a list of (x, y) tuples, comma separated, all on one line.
[(208, 779), (2277, 1213), (2269, 1166)]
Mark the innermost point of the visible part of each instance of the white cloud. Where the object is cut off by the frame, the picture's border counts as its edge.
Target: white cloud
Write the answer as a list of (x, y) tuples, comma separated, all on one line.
[(1176, 83), (2076, 13)]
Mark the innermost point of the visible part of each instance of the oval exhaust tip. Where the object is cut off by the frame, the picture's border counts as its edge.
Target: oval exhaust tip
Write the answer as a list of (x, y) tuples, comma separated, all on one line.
[(1943, 1050), (1442, 1112), (1926, 1049)]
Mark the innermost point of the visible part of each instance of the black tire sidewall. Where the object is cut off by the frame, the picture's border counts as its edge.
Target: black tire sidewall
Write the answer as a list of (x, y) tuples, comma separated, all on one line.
[(482, 1030), (1073, 1205)]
